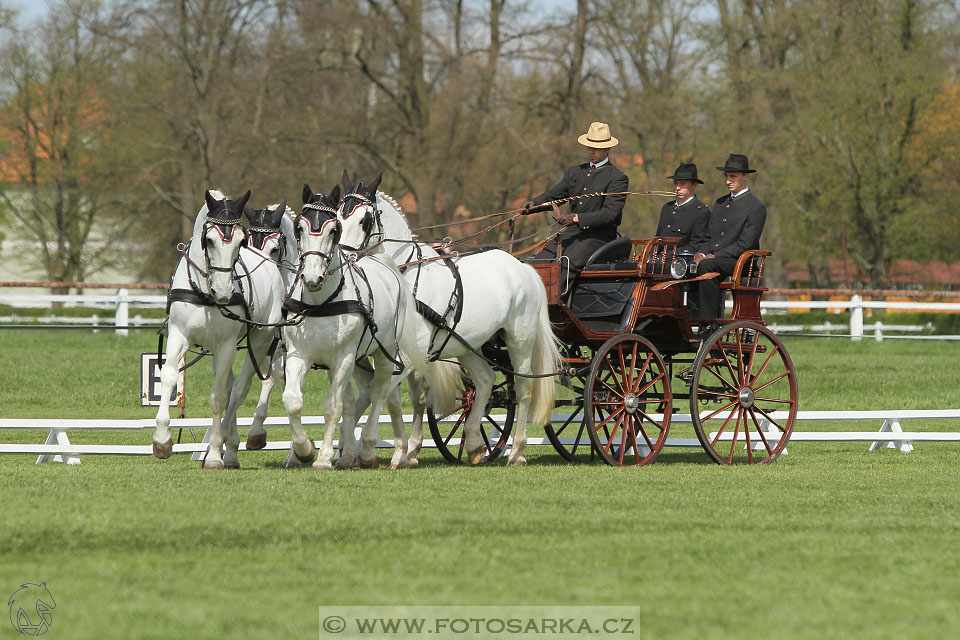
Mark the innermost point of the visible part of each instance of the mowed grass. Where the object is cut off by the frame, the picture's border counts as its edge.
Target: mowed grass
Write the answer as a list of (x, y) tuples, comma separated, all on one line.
[(829, 541)]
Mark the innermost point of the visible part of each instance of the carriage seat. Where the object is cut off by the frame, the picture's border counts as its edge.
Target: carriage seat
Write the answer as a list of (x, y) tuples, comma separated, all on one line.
[(613, 256)]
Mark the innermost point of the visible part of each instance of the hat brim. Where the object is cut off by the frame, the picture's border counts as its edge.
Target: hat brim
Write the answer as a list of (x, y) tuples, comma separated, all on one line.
[(606, 144), (735, 169), (697, 180)]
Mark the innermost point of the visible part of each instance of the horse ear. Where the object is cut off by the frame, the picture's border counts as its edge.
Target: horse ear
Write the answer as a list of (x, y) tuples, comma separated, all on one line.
[(242, 202), (210, 200), (279, 211), (376, 183), (307, 194), (249, 212), (335, 195), (347, 185)]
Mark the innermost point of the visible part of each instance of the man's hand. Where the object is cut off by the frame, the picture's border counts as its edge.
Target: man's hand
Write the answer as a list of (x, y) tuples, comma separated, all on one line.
[(528, 208), (701, 256), (566, 219)]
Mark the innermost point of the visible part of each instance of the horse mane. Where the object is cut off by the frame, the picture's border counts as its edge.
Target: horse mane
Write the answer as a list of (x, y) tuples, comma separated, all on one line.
[(396, 207)]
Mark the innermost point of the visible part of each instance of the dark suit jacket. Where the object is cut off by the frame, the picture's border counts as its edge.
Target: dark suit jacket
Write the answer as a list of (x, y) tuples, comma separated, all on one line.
[(599, 216), (735, 226), (690, 222)]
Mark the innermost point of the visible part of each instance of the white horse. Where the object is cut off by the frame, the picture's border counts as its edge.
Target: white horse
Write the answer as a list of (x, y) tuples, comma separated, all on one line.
[(351, 310), (499, 294), (218, 284)]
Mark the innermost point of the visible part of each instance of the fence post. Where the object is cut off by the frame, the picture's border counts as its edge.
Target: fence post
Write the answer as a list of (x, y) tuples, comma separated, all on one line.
[(856, 318), (878, 331), (123, 312)]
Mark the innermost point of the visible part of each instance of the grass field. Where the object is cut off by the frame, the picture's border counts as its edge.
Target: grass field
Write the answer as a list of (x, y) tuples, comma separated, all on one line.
[(830, 541)]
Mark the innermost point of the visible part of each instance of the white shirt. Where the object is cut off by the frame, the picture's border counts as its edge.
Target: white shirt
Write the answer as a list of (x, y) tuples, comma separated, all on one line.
[(737, 195), (599, 164)]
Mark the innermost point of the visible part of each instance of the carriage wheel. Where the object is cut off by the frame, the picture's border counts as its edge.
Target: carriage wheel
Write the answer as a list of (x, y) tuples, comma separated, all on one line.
[(495, 425), (743, 395), (569, 437), (627, 384)]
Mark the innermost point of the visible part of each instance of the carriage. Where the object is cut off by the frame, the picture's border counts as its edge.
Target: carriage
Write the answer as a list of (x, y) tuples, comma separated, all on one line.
[(632, 354)]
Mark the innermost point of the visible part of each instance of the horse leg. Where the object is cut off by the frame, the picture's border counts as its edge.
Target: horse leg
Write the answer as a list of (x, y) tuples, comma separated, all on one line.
[(483, 377), (296, 369), (348, 422), (418, 398), (379, 390), (169, 373), (400, 459), (521, 360), (257, 346), (332, 412), (257, 436), (222, 380)]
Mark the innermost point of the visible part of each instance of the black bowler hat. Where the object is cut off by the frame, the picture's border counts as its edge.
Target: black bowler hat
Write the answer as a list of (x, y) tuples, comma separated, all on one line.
[(737, 162), (686, 171)]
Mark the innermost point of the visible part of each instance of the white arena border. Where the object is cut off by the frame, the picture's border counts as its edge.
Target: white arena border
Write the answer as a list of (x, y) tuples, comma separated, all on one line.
[(58, 447)]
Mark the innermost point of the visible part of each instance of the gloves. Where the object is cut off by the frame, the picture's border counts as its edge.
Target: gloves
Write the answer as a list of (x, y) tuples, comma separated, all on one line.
[(566, 219), (529, 207)]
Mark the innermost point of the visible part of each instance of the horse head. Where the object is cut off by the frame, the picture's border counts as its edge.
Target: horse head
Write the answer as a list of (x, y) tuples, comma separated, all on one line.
[(318, 232), (359, 214), (265, 231), (220, 240)]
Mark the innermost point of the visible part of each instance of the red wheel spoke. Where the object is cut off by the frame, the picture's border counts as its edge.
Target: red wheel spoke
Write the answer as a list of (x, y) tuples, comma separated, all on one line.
[(780, 400), (736, 432), (611, 389), (717, 375), (722, 427), (720, 410), (770, 419), (753, 354), (643, 431), (770, 355), (603, 422), (613, 433), (456, 426), (651, 383), (623, 437), (643, 373), (740, 356), (760, 432), (783, 375), (733, 373), (624, 371)]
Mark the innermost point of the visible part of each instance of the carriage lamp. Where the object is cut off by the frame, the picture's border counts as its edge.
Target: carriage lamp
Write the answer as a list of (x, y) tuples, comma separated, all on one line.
[(682, 266)]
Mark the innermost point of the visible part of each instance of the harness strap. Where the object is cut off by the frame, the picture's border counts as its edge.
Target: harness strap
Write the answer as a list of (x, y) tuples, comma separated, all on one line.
[(195, 296)]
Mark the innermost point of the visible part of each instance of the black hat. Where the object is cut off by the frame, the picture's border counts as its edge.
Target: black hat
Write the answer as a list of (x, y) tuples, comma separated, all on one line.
[(686, 171), (737, 162)]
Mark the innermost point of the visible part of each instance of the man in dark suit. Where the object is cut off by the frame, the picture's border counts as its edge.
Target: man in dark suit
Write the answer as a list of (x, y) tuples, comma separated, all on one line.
[(592, 222), (736, 223), (686, 217)]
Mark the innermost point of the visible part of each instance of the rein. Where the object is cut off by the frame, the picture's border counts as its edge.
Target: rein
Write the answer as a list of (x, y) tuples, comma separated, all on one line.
[(668, 194)]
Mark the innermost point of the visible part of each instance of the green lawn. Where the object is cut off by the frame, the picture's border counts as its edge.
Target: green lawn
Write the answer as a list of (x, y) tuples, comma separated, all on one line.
[(829, 541)]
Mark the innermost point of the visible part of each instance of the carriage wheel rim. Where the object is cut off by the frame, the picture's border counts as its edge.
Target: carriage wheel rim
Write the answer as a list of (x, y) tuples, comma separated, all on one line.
[(742, 377), (627, 375)]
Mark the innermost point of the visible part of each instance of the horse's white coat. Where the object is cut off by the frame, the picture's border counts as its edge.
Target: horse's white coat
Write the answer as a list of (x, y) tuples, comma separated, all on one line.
[(191, 324), (500, 293), (338, 341)]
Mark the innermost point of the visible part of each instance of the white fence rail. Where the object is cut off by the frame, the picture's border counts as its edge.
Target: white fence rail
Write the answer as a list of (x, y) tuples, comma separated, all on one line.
[(122, 301), (58, 447)]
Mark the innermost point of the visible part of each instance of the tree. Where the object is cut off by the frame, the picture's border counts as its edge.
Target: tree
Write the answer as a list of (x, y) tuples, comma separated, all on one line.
[(65, 155)]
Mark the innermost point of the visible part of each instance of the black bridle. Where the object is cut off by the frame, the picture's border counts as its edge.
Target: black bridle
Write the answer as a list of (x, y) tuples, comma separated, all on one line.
[(371, 217)]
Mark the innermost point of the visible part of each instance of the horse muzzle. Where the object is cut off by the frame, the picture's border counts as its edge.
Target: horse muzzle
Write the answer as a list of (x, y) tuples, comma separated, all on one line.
[(313, 284)]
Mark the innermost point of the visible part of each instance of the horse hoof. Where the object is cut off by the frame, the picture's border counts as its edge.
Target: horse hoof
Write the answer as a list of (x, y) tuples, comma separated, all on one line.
[(372, 464), (163, 451), (256, 442), (309, 457), (292, 463), (213, 465), (413, 461), (231, 464), (343, 465), (322, 466), (476, 457), (519, 462)]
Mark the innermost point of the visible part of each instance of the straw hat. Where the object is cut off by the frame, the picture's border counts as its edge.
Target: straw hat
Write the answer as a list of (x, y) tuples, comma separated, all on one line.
[(598, 137)]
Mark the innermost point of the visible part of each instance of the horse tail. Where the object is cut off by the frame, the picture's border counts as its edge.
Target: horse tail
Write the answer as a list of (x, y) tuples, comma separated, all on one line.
[(546, 360), (442, 377)]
